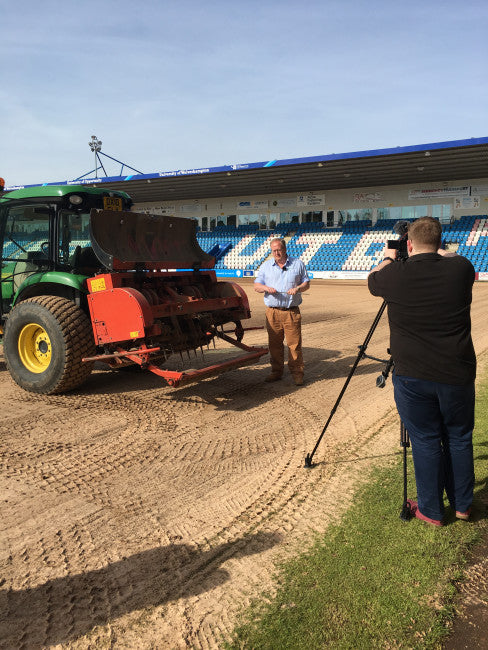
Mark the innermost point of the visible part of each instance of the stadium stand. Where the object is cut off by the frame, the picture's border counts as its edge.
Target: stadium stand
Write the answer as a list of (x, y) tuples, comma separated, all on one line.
[(356, 246)]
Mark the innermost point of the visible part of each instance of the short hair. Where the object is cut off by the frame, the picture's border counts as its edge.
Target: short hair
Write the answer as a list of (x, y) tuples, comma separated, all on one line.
[(426, 231), (279, 239)]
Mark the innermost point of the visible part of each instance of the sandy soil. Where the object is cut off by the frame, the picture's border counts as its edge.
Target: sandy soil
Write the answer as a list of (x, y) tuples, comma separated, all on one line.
[(139, 516)]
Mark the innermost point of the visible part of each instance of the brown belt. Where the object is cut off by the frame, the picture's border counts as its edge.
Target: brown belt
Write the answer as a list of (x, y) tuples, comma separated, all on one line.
[(285, 308)]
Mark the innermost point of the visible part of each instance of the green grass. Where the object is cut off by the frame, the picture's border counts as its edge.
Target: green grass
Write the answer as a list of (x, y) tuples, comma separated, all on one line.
[(374, 581)]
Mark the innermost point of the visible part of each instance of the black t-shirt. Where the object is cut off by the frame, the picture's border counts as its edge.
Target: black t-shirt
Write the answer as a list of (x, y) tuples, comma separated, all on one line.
[(429, 303)]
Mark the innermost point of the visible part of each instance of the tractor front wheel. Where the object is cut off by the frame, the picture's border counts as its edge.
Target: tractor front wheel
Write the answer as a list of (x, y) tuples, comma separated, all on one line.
[(45, 340)]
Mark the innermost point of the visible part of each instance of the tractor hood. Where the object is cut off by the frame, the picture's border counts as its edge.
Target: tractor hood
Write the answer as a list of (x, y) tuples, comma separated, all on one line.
[(129, 240)]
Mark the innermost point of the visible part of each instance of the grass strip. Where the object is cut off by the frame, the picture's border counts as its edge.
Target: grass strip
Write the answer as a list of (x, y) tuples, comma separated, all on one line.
[(374, 581)]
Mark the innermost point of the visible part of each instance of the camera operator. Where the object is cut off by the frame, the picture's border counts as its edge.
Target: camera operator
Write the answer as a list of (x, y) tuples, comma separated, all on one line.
[(428, 295)]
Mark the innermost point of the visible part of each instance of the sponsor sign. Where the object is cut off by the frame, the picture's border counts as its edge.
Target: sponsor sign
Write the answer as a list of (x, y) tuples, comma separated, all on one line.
[(229, 273), (482, 276), (367, 197), (284, 203), (184, 172), (439, 192), (166, 209), (309, 200), (340, 275), (248, 205), (479, 189), (466, 202), (190, 207)]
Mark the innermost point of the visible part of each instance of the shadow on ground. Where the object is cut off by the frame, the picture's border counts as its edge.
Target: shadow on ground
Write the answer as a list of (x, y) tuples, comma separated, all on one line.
[(237, 390), (63, 609)]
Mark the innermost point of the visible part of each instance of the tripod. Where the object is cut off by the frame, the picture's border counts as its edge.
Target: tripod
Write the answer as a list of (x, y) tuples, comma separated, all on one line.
[(380, 383)]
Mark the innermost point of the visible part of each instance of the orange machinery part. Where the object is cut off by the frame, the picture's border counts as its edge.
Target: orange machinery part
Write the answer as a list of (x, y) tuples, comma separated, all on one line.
[(120, 313)]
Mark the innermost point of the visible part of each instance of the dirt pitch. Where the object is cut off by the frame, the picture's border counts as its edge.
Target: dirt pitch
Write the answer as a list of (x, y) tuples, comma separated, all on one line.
[(138, 516)]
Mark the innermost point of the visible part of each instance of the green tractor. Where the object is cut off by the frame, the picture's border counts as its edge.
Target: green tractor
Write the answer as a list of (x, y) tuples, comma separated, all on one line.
[(44, 231), (85, 279)]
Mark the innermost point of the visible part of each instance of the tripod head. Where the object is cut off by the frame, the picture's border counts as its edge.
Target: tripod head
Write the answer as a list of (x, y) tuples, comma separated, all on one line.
[(400, 245)]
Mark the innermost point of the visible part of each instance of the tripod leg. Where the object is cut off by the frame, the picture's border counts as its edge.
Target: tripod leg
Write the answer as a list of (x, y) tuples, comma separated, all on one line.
[(406, 513), (362, 350)]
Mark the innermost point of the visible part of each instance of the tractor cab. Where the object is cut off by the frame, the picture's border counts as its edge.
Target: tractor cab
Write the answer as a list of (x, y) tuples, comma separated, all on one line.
[(46, 232)]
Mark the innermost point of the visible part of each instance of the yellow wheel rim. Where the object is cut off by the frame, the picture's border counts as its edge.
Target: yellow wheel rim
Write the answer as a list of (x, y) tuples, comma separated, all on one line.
[(34, 348)]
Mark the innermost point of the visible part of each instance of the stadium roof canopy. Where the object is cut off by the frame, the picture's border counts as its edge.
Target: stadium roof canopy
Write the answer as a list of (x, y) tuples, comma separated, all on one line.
[(424, 163)]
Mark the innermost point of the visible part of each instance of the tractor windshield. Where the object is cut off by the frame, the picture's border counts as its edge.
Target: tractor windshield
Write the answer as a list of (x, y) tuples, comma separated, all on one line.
[(25, 250)]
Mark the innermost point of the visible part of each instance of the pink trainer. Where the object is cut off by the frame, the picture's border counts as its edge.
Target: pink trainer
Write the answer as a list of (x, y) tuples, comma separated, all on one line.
[(414, 509), (463, 515)]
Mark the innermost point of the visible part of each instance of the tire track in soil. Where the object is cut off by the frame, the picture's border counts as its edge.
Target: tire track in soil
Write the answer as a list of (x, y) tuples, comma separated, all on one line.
[(211, 637), (259, 496), (264, 493)]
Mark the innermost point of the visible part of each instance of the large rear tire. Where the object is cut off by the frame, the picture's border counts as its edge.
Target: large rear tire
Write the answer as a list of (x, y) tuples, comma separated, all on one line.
[(45, 340)]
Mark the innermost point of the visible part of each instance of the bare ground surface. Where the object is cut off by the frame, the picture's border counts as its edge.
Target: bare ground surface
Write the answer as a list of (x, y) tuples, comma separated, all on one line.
[(138, 516)]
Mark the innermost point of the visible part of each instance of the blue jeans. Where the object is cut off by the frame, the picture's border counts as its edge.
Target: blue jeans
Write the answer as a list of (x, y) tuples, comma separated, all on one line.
[(439, 419)]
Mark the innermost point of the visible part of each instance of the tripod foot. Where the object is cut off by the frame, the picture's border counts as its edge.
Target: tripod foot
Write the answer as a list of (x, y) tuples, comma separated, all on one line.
[(308, 461), (406, 513)]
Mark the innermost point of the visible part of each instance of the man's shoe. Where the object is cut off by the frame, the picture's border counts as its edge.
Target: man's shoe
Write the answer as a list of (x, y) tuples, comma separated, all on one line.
[(298, 379), (414, 509), (463, 515), (273, 377)]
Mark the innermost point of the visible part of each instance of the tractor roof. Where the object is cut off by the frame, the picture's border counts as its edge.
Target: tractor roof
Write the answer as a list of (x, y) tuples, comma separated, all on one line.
[(57, 191)]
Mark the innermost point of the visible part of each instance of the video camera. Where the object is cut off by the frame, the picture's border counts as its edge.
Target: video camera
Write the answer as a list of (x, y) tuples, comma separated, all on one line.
[(400, 245)]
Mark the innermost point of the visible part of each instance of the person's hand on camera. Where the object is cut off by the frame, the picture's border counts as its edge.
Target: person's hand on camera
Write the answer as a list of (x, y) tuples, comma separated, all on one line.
[(389, 252)]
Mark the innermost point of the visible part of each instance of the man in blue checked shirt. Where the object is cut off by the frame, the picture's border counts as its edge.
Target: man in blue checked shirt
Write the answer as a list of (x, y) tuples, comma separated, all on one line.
[(282, 280)]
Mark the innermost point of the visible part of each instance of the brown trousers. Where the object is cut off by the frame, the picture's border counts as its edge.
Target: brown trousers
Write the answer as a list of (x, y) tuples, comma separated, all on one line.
[(287, 325)]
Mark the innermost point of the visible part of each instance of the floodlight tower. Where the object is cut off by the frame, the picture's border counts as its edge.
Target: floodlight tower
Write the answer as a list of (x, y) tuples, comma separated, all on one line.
[(96, 146)]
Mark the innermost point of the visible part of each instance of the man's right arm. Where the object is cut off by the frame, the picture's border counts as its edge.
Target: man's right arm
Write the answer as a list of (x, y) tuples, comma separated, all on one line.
[(374, 286), (389, 256), (382, 265), (260, 282), (263, 288)]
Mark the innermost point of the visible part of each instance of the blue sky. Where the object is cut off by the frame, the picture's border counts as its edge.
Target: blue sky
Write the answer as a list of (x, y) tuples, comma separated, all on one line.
[(170, 85)]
